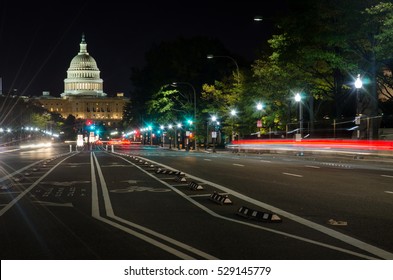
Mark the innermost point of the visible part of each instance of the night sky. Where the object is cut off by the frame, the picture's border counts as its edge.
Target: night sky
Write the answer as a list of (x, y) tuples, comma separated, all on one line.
[(38, 40)]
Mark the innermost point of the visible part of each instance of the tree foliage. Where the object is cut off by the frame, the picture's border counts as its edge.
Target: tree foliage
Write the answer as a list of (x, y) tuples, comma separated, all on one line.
[(179, 60), (321, 47)]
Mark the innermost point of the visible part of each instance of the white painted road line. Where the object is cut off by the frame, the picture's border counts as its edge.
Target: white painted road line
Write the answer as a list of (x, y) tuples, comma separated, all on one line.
[(110, 214), (389, 192), (312, 166), (207, 159), (237, 164), (387, 176), (22, 194), (323, 229), (291, 174)]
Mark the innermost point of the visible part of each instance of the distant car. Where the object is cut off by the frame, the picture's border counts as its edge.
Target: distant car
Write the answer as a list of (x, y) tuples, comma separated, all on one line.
[(118, 141)]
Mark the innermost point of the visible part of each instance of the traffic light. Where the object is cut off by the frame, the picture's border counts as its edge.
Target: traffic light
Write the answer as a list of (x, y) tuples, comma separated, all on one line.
[(90, 125)]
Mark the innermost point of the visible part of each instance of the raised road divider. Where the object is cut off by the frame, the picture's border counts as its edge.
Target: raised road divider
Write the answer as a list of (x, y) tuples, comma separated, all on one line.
[(194, 186), (258, 215), (220, 198)]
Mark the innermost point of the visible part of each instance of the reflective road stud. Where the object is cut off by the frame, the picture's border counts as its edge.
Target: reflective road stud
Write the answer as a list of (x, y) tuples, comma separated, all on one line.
[(258, 215), (195, 186), (219, 198)]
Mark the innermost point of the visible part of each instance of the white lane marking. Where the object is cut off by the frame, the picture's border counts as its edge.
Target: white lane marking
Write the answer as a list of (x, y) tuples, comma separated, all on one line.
[(237, 164), (200, 195), (207, 159), (110, 214), (8, 151), (65, 184), (267, 161), (312, 166), (291, 174), (387, 176), (330, 232), (22, 194), (389, 192), (8, 193), (47, 203)]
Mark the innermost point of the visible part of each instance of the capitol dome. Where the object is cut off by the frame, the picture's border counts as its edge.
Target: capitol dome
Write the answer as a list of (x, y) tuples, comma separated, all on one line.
[(83, 75)]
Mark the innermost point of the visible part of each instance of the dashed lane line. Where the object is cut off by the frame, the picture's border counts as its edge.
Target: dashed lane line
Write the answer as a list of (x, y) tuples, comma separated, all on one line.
[(313, 166), (291, 174), (330, 232)]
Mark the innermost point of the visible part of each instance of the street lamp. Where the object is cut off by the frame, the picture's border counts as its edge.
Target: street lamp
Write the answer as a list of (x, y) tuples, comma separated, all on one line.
[(233, 115), (298, 98), (195, 118), (170, 139), (149, 128), (210, 56), (162, 135), (178, 126), (258, 18), (214, 133), (358, 85), (259, 122)]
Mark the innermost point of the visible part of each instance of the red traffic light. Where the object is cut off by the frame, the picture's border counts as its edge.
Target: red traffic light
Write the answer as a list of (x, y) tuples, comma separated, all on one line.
[(89, 122)]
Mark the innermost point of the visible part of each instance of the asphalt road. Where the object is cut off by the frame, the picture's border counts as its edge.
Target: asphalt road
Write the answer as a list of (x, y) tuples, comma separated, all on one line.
[(132, 204)]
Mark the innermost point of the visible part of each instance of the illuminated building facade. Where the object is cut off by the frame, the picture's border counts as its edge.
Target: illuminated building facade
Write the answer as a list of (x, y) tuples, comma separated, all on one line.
[(83, 95)]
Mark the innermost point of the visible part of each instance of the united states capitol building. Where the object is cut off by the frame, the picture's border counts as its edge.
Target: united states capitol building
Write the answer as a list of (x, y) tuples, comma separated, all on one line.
[(83, 95)]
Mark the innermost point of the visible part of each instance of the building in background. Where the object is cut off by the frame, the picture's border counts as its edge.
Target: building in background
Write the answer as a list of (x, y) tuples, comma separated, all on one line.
[(83, 95)]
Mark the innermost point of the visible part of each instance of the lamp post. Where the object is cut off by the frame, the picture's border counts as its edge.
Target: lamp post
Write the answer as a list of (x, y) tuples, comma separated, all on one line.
[(259, 122), (162, 135), (210, 56), (170, 139), (214, 133), (233, 115), (358, 85), (298, 98), (195, 126), (149, 128)]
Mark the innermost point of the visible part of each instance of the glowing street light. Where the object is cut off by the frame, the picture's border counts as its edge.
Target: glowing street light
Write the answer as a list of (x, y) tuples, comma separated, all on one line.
[(358, 86), (210, 56), (298, 98), (233, 115)]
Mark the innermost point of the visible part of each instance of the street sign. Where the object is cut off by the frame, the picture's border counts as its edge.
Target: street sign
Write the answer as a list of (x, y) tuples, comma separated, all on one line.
[(79, 140), (91, 137), (259, 123), (214, 134)]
